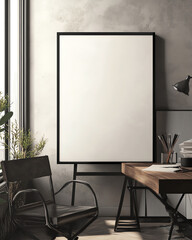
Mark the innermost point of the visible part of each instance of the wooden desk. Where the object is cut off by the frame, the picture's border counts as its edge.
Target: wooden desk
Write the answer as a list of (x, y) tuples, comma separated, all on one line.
[(159, 183)]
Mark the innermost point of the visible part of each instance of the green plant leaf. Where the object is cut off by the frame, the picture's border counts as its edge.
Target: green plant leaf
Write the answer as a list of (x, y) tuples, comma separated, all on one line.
[(22, 144), (6, 117), (2, 129)]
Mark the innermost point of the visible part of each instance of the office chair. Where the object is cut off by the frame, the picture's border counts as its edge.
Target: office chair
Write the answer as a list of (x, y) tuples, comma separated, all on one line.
[(62, 220)]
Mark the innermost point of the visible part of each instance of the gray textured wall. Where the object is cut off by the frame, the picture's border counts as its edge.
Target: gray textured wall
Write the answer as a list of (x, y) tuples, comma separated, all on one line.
[(170, 19)]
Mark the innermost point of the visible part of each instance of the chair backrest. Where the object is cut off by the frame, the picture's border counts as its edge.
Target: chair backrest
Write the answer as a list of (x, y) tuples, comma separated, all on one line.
[(26, 169)]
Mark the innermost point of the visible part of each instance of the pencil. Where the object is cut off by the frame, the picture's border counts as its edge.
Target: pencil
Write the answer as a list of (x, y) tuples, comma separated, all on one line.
[(175, 138)]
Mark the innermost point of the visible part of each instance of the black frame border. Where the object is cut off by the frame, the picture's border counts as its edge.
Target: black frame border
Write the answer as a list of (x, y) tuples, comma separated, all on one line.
[(58, 92), (24, 67), (7, 58), (24, 73)]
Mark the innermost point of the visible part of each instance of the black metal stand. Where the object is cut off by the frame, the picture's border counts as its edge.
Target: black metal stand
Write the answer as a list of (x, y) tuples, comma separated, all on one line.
[(132, 223), (74, 185), (128, 223), (76, 173), (173, 216), (173, 212)]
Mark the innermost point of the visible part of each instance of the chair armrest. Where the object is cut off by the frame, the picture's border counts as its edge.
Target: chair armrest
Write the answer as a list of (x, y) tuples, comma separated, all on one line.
[(42, 201), (80, 182)]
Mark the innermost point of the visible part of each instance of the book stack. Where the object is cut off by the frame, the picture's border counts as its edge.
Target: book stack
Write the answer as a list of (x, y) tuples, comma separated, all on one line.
[(186, 148)]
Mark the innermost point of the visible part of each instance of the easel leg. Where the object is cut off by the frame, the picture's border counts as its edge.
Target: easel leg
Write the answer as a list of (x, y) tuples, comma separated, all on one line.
[(74, 184)]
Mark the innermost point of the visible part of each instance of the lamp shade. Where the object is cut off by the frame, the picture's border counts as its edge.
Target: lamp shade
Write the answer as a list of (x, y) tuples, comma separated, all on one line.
[(183, 86)]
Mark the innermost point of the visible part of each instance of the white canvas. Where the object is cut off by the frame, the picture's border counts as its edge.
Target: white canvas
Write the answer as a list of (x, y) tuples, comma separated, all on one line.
[(106, 98)]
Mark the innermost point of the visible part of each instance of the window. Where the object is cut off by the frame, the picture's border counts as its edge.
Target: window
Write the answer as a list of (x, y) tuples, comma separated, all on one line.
[(2, 59), (13, 74), (14, 59), (2, 30)]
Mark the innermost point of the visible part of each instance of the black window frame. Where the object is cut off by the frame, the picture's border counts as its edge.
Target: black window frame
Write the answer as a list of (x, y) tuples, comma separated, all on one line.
[(24, 92)]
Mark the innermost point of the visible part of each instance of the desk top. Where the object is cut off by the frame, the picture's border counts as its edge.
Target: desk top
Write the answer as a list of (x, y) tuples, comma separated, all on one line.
[(160, 182)]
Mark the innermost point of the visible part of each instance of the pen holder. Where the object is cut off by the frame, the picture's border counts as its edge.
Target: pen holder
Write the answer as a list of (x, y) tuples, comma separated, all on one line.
[(172, 159)]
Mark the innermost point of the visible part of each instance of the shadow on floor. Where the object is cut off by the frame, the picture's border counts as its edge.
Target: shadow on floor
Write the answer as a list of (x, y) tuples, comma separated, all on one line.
[(105, 226), (186, 228), (40, 233), (102, 227)]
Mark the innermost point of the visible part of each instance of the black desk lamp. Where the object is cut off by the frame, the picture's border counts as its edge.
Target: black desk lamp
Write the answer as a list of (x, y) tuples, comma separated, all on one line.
[(183, 86)]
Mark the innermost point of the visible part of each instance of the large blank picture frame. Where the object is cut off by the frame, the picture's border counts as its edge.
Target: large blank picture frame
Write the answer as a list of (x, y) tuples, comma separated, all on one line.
[(105, 95)]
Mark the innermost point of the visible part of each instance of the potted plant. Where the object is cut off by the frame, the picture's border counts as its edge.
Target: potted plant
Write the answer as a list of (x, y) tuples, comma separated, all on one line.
[(21, 144)]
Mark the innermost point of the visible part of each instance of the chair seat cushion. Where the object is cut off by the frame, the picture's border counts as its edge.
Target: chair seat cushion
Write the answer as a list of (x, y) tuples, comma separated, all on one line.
[(58, 214)]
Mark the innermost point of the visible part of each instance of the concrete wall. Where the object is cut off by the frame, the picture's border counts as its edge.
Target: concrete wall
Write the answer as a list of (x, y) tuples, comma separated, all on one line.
[(170, 19)]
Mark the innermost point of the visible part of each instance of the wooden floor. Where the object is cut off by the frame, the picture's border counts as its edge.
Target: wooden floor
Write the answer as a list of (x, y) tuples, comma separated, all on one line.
[(102, 229)]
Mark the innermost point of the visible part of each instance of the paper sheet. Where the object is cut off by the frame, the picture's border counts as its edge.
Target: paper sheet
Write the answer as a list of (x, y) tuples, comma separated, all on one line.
[(163, 168)]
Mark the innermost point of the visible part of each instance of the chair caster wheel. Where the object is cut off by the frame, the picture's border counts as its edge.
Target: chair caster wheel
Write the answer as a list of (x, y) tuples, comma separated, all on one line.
[(76, 238)]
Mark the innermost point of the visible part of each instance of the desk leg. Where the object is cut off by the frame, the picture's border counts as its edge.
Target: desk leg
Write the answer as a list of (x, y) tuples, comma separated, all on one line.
[(173, 216), (128, 223), (120, 204), (133, 202), (123, 226), (173, 213)]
